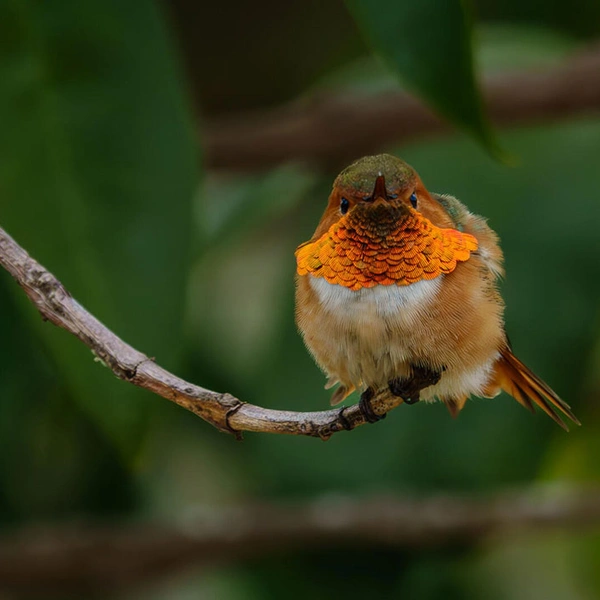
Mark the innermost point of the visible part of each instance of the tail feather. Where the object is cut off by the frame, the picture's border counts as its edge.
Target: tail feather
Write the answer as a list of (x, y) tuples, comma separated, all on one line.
[(455, 405), (340, 394), (528, 389)]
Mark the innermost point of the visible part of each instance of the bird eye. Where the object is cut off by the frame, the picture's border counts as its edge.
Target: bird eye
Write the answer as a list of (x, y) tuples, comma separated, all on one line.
[(413, 200), (344, 206)]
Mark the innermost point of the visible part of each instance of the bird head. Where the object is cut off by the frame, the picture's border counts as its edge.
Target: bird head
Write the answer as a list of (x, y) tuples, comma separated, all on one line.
[(382, 226), (379, 190)]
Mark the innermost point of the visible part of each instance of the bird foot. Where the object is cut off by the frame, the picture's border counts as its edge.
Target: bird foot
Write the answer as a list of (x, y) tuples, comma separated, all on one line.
[(366, 409), (409, 388)]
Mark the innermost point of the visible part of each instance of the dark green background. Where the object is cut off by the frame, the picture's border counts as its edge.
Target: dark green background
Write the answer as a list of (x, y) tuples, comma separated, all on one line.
[(101, 179)]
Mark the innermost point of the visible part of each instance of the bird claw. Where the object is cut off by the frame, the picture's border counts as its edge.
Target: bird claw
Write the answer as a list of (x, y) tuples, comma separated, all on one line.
[(413, 399), (409, 388), (366, 409)]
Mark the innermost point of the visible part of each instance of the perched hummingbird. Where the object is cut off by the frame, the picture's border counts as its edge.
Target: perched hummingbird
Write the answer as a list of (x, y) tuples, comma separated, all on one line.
[(397, 288)]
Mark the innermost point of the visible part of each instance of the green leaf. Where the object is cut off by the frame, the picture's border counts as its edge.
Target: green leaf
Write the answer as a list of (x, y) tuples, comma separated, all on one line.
[(427, 43), (98, 167)]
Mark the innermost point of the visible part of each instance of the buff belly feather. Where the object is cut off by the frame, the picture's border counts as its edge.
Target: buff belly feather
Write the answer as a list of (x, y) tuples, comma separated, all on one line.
[(375, 337)]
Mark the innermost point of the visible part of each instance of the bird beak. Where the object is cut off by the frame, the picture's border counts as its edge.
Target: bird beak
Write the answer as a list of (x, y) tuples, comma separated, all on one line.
[(379, 190)]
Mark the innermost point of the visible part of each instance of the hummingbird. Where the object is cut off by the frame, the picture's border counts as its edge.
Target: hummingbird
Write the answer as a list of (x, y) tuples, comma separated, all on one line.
[(398, 289)]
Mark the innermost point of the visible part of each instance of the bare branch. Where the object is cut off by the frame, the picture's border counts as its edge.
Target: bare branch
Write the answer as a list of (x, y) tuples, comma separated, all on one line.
[(104, 557), (333, 129), (223, 411)]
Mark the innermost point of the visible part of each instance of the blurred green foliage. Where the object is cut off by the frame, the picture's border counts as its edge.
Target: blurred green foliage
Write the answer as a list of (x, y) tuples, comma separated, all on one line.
[(428, 43), (98, 170), (100, 181)]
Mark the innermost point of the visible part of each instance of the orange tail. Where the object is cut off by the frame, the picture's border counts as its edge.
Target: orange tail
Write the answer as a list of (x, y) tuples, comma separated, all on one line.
[(527, 388)]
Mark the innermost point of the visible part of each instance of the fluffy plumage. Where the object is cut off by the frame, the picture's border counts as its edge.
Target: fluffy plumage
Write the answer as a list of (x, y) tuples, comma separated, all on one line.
[(385, 286)]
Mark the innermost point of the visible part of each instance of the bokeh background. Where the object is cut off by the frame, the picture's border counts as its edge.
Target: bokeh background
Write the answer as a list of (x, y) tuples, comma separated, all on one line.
[(106, 114)]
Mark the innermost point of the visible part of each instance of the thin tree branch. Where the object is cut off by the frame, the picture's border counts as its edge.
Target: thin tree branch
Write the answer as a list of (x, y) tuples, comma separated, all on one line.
[(104, 557), (222, 410), (332, 129)]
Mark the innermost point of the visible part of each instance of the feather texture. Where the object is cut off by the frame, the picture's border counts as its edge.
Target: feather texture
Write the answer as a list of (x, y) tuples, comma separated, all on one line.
[(396, 280), (516, 379), (359, 251)]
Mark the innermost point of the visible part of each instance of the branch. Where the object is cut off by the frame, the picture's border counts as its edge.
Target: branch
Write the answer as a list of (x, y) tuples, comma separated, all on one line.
[(222, 410), (333, 129), (102, 557)]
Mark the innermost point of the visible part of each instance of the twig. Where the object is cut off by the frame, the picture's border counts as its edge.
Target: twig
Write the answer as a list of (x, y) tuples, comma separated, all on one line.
[(332, 129), (103, 557), (222, 410)]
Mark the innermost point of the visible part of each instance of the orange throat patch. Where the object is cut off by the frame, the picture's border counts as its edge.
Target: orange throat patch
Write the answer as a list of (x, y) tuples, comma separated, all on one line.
[(399, 249)]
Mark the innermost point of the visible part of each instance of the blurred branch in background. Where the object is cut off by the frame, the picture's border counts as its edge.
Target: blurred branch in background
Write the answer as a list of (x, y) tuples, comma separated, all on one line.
[(85, 557), (330, 130), (221, 410)]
